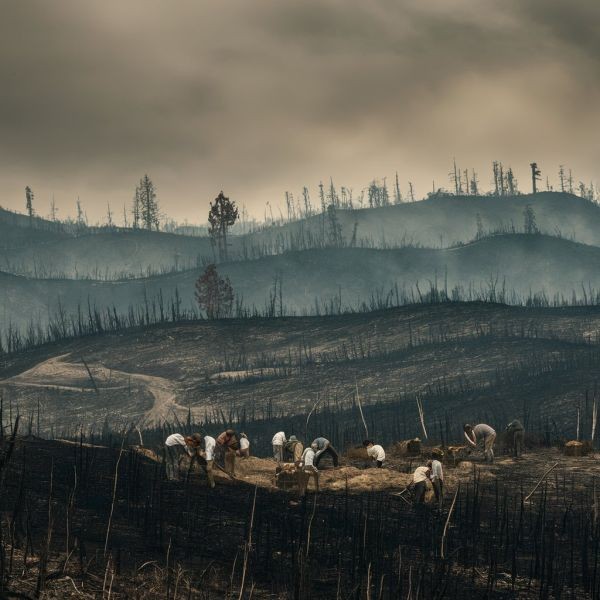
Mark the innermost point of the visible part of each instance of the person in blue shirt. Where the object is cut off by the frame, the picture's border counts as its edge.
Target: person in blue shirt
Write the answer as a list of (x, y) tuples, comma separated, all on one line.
[(323, 446)]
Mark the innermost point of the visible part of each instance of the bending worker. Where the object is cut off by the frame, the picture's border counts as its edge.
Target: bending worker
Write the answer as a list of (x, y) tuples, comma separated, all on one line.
[(483, 433), (293, 449), (323, 446), (278, 442), (176, 446), (375, 452), (228, 445), (205, 456), (307, 464), (419, 484), (244, 450)]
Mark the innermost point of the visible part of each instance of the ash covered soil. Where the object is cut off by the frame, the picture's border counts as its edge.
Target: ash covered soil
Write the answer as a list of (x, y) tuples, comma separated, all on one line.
[(488, 357), (115, 523)]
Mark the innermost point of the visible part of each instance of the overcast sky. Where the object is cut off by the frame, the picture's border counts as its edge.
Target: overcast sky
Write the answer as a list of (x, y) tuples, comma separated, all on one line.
[(257, 97)]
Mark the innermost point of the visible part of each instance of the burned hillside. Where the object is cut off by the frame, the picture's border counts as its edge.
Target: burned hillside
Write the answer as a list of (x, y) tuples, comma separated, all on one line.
[(463, 360), (83, 520)]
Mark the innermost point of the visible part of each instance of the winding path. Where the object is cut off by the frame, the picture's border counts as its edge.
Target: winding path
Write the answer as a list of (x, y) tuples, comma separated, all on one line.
[(58, 373)]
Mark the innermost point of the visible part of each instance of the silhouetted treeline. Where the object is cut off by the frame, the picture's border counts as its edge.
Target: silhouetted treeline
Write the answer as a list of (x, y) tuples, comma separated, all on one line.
[(92, 320)]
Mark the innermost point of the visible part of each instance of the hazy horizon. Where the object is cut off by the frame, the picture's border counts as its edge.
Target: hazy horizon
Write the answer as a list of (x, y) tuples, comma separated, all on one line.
[(260, 98)]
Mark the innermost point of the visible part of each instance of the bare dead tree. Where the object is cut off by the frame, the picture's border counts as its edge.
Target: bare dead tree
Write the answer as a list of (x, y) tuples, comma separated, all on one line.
[(535, 176)]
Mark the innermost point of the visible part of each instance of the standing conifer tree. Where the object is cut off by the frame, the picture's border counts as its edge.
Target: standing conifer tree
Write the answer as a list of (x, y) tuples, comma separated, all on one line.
[(147, 204), (222, 215)]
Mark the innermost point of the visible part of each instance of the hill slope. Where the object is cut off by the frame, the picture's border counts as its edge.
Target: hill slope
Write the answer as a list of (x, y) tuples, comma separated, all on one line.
[(438, 221), (345, 277), (467, 361)]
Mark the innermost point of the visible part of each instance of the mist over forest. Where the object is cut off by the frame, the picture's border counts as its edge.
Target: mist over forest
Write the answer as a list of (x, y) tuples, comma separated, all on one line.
[(323, 252)]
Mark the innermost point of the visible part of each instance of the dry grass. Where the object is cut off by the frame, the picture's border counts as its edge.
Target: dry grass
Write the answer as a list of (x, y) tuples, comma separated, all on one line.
[(357, 453)]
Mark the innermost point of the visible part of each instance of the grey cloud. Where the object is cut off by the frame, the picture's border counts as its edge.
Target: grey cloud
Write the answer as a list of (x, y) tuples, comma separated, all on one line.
[(258, 97)]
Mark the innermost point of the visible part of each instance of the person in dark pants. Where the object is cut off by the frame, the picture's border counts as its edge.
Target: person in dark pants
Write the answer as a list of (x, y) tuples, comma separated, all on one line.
[(516, 433), (323, 446), (375, 452), (419, 484), (176, 446)]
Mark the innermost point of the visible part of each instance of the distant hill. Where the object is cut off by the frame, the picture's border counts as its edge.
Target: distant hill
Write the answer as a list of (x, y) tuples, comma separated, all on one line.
[(45, 249), (436, 222), (442, 221), (17, 231), (507, 268), (108, 255)]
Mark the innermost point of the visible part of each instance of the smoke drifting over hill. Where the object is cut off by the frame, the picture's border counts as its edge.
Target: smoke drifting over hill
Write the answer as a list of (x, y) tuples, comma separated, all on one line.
[(260, 97)]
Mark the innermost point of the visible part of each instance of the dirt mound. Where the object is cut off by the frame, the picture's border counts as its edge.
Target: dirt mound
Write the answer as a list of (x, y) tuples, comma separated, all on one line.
[(261, 472), (257, 471), (574, 448), (363, 480), (407, 448), (357, 453)]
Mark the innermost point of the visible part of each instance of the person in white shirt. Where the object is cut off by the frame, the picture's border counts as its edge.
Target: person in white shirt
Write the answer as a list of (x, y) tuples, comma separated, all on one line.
[(307, 464), (176, 445), (375, 453), (419, 484), (205, 456), (486, 434), (244, 449), (437, 481), (278, 442)]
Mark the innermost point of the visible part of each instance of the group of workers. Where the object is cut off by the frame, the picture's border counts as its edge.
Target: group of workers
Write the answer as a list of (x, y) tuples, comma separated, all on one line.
[(204, 449), (433, 472), (229, 445), (481, 434), (292, 451)]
